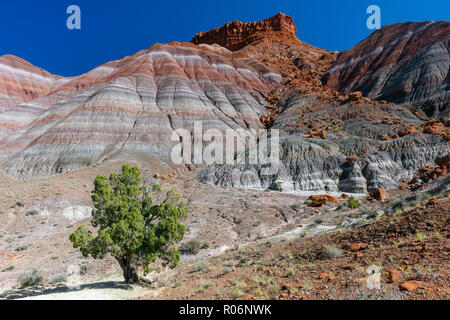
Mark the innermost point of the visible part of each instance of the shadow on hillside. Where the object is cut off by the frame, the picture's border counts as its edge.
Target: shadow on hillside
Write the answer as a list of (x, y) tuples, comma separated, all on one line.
[(37, 291)]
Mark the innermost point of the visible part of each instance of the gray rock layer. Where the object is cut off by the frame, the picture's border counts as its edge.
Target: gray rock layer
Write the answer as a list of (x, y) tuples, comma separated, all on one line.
[(320, 165)]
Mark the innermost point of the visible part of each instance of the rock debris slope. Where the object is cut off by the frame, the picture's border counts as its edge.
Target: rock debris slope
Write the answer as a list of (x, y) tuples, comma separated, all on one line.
[(322, 127)]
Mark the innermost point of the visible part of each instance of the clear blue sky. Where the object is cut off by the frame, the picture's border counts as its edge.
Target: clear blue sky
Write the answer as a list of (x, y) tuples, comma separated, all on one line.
[(36, 29)]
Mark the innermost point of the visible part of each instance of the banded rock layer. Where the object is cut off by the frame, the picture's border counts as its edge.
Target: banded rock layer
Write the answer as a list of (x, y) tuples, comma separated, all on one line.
[(133, 106), (405, 63), (308, 164), (20, 82)]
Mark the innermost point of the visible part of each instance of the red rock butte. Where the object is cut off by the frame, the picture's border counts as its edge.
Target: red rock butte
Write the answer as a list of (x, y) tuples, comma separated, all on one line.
[(236, 35)]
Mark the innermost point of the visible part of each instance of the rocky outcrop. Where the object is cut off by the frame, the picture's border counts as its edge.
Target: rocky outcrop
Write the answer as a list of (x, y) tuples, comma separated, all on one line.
[(320, 165), (320, 200), (352, 180), (406, 63), (132, 107), (236, 35)]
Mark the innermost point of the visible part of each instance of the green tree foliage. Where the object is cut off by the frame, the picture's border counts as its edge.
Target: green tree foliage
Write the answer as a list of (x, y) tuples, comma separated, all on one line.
[(134, 228)]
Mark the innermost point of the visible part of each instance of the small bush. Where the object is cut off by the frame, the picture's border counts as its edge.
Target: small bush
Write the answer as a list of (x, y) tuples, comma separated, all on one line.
[(318, 221), (353, 203), (397, 207), (32, 212), (10, 268), (201, 265), (205, 245), (31, 279), (58, 278), (191, 247), (226, 270), (22, 247), (331, 252), (421, 236)]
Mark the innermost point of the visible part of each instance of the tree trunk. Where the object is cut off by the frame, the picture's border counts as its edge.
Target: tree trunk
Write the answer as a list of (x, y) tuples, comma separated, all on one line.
[(129, 272)]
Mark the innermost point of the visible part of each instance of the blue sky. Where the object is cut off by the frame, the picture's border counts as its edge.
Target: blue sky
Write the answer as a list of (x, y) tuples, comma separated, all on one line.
[(36, 30)]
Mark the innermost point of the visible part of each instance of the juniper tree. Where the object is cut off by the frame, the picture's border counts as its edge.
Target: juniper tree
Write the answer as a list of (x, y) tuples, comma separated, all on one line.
[(134, 228)]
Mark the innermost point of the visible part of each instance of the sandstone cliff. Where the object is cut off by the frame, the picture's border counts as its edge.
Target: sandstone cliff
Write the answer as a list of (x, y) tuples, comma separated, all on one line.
[(236, 35)]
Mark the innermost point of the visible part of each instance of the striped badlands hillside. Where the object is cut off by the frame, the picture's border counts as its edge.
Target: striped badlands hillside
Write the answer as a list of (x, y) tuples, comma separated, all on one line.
[(132, 106), (20, 82), (405, 63)]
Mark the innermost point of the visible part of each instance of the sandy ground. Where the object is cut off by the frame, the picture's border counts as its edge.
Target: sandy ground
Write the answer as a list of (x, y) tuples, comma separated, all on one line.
[(37, 217), (108, 288)]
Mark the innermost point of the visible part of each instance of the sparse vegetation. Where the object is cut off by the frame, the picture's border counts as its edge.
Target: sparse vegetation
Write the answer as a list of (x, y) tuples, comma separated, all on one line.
[(10, 268), (191, 247), (22, 247), (353, 203), (291, 271), (31, 279), (438, 235), (308, 285), (201, 265), (421, 236), (331, 252), (58, 278), (203, 286)]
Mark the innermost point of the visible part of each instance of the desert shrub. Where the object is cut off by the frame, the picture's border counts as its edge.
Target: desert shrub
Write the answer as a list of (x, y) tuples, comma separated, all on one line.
[(162, 282), (203, 286), (201, 265), (353, 203), (58, 278), (32, 212), (205, 245), (31, 279), (318, 221), (10, 268), (22, 247), (192, 247), (421, 236), (331, 252), (397, 207)]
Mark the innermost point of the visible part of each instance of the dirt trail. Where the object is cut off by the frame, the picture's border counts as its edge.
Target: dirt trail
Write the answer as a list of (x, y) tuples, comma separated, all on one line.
[(109, 288)]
